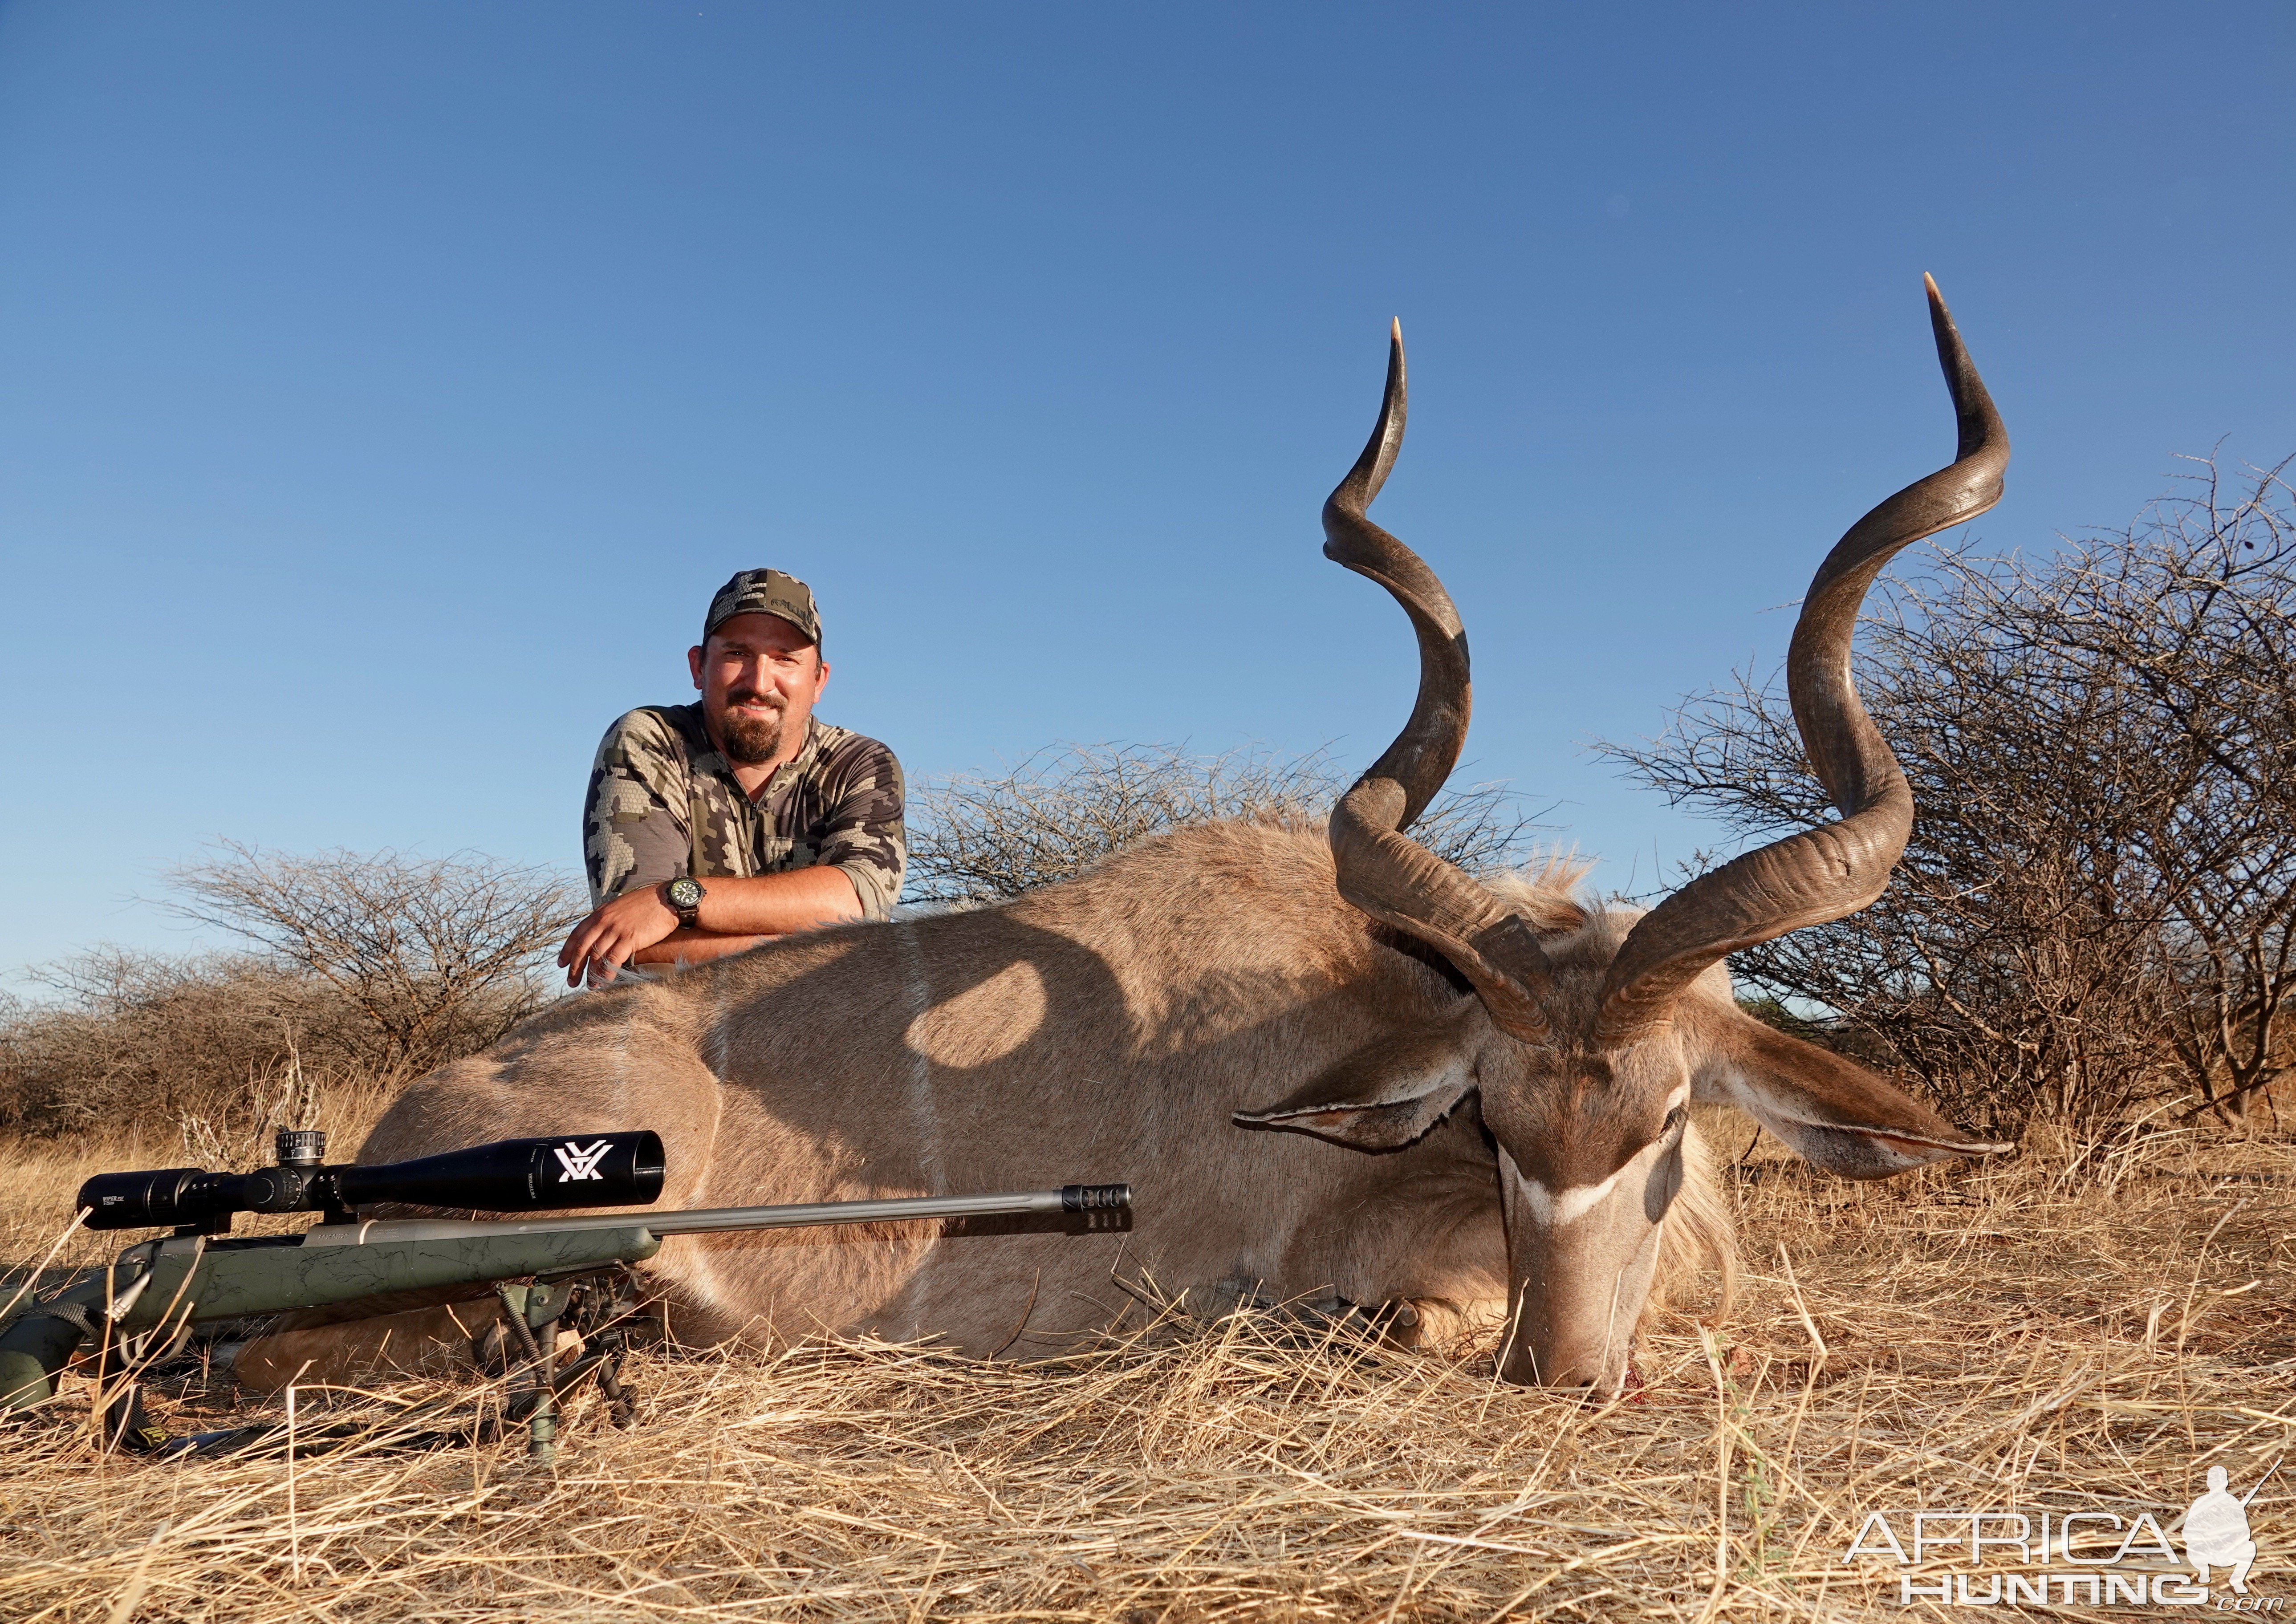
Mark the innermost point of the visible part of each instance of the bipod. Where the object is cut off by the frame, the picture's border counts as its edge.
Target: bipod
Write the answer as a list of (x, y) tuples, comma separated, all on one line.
[(598, 1305)]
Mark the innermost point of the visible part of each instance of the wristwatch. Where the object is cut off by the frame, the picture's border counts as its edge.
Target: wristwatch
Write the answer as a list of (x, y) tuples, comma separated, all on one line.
[(683, 896)]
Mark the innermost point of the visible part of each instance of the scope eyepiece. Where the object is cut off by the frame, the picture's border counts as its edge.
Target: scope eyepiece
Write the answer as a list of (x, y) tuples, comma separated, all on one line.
[(170, 1195), (621, 1169)]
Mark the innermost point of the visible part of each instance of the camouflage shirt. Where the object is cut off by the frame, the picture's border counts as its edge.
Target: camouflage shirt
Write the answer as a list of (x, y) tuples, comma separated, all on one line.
[(664, 802)]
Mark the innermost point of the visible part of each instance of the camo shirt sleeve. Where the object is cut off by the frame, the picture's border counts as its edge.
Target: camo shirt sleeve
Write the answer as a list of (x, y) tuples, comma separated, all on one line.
[(862, 827), (634, 819)]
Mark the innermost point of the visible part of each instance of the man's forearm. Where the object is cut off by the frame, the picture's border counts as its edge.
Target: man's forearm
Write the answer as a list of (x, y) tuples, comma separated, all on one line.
[(637, 927), (736, 914), (682, 947), (775, 904)]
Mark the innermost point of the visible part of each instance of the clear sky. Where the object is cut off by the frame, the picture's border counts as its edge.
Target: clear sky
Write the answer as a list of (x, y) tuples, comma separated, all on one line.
[(383, 388)]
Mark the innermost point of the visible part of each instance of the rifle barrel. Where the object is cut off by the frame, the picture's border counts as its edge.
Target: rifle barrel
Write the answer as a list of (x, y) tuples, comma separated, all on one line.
[(711, 1220)]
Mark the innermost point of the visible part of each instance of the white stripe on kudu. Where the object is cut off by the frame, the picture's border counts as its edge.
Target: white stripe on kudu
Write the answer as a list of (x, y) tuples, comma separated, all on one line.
[(1551, 1210)]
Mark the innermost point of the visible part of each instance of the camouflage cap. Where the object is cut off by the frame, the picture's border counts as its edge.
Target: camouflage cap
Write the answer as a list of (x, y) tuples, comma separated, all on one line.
[(765, 592)]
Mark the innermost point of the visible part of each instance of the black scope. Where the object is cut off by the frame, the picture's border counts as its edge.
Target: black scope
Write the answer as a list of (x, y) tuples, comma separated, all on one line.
[(508, 1176)]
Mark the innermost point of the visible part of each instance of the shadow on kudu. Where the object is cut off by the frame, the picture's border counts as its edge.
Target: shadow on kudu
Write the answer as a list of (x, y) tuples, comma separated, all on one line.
[(1334, 1068)]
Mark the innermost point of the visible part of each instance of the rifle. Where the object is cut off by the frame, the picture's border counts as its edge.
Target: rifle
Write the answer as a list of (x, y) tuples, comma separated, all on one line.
[(143, 1305)]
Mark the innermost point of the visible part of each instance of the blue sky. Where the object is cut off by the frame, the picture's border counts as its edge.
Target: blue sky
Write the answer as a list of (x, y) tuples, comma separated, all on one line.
[(384, 389)]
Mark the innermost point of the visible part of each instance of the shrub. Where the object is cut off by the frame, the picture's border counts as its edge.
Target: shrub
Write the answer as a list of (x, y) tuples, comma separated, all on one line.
[(980, 838), (147, 1039), (373, 968), (438, 956), (2094, 910)]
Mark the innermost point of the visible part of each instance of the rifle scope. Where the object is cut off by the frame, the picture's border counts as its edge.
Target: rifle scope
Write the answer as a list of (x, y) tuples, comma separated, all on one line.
[(508, 1176)]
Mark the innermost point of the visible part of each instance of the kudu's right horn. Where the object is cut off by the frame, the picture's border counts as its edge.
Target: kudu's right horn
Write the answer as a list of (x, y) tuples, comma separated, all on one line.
[(1833, 871), (1390, 877)]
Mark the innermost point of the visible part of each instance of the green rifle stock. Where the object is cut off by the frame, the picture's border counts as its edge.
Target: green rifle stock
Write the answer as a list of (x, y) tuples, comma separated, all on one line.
[(164, 1286)]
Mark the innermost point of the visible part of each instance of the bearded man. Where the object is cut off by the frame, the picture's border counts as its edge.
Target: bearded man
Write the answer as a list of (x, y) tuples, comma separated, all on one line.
[(714, 827)]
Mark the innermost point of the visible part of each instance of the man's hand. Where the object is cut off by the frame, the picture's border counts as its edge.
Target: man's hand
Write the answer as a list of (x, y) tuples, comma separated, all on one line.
[(605, 940)]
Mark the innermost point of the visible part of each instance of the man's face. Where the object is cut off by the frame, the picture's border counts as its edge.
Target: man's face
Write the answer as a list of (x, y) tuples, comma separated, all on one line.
[(759, 678)]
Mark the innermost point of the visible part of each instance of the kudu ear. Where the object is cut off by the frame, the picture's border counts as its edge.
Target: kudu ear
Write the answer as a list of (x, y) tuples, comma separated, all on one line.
[(1390, 1092), (1829, 1111)]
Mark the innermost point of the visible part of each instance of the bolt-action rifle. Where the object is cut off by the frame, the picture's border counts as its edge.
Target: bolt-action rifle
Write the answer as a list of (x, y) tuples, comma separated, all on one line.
[(143, 1305)]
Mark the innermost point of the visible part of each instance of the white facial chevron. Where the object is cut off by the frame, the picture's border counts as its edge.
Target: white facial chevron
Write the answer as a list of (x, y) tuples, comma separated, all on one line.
[(1551, 1210)]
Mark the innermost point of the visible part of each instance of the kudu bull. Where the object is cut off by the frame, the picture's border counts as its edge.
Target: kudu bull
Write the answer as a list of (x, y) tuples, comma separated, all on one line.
[(1486, 1085)]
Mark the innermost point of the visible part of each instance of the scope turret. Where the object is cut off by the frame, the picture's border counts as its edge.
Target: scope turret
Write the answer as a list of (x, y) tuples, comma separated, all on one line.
[(508, 1176)]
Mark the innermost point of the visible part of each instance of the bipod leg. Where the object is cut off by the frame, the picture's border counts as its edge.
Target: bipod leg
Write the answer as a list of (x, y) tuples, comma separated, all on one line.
[(535, 1311), (616, 1303), (605, 1358), (619, 1402), (130, 1426)]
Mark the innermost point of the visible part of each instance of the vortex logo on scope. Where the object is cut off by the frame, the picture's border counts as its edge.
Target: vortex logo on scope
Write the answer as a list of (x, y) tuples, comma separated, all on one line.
[(580, 1163)]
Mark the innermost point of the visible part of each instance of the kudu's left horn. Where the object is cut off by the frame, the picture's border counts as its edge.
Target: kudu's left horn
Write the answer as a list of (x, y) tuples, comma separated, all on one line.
[(1390, 877), (1831, 872)]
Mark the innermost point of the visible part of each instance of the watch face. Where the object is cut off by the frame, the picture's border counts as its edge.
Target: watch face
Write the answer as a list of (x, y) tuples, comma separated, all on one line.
[(685, 894)]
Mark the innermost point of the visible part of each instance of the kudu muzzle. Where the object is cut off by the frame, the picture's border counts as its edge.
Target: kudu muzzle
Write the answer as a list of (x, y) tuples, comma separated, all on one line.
[(1580, 1269)]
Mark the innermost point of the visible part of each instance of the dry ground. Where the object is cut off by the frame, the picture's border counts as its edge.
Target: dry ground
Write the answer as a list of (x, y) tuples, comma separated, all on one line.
[(2020, 1335)]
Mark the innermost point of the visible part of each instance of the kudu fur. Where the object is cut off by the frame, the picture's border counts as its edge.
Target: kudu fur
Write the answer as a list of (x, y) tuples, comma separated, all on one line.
[(1478, 1091)]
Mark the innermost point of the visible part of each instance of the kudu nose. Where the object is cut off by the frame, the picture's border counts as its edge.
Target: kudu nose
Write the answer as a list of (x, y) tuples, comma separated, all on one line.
[(1564, 1370)]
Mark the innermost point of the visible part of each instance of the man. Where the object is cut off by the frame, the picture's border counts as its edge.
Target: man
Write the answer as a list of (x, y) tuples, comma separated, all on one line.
[(712, 827)]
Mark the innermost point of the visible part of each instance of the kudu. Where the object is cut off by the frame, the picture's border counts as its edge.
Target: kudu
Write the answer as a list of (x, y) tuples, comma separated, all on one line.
[(1485, 1084)]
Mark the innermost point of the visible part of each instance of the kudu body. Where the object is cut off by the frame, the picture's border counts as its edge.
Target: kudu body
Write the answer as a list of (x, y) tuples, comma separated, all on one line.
[(1332, 1065)]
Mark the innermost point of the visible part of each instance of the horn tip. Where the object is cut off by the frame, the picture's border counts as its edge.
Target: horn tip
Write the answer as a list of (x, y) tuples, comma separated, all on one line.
[(1938, 311), (1394, 329)]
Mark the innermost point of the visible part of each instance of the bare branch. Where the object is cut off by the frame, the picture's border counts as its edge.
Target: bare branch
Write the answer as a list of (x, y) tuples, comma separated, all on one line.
[(980, 838), (2095, 907)]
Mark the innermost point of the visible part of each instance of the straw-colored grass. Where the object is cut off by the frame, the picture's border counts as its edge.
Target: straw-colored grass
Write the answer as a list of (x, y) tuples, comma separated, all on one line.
[(2015, 1335)]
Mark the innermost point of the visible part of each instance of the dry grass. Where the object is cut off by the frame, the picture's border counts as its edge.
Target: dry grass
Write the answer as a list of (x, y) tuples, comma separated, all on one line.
[(2006, 1336)]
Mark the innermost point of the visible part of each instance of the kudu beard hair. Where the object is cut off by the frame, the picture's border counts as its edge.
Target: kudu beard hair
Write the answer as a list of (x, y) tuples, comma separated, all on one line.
[(1590, 1033), (1486, 1080)]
